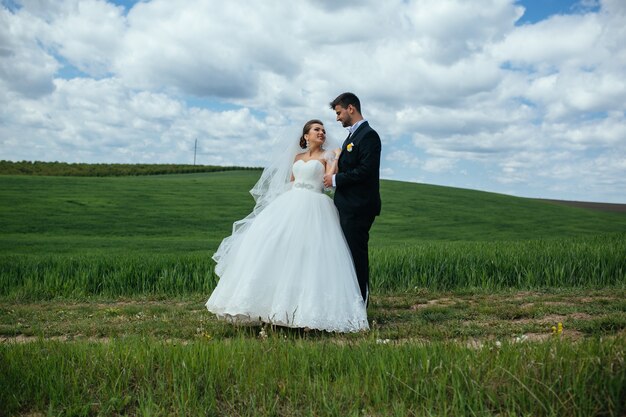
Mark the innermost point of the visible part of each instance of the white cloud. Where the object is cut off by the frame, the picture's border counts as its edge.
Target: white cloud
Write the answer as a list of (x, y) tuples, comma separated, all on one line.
[(551, 43), (102, 121), (403, 157), (438, 164), (459, 93), (89, 35), (205, 48), (25, 67), (387, 173)]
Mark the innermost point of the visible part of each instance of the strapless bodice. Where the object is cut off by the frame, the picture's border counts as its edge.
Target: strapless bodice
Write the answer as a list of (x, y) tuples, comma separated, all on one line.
[(308, 175)]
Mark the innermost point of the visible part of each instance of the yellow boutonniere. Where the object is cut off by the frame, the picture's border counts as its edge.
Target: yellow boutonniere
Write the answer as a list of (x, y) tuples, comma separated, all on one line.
[(349, 147)]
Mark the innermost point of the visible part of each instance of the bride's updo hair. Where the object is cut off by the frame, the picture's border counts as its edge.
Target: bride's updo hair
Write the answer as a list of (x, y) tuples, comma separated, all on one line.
[(305, 130)]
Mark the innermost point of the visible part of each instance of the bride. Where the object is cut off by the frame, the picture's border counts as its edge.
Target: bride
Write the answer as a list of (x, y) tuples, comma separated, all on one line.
[(287, 263)]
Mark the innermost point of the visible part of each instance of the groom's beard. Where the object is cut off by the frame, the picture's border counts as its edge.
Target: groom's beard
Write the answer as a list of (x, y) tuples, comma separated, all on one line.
[(348, 122)]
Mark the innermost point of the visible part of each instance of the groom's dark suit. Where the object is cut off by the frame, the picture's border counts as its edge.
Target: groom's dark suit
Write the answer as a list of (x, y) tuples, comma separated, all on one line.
[(357, 195)]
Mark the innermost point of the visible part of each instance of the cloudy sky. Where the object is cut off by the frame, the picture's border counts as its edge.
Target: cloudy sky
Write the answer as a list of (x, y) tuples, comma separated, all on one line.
[(522, 97)]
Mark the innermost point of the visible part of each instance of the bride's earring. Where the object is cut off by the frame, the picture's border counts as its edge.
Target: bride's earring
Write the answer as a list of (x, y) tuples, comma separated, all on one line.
[(307, 143)]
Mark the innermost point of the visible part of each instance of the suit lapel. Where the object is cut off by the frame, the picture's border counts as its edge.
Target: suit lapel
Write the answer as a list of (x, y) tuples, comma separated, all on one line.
[(356, 136), (352, 138)]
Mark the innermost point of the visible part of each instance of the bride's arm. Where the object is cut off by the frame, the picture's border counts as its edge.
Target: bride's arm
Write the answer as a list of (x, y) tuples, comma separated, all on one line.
[(331, 161)]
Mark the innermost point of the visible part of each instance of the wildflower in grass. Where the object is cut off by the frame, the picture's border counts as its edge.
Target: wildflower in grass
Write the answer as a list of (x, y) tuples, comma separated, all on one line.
[(521, 338), (262, 333), (558, 329)]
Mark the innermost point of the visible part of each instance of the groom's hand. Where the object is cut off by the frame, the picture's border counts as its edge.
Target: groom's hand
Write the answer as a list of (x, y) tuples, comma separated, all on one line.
[(328, 180)]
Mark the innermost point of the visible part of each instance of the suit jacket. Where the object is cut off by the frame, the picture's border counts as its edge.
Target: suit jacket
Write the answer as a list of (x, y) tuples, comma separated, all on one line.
[(357, 179)]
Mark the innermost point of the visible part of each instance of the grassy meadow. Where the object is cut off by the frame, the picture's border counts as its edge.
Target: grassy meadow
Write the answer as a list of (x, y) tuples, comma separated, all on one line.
[(124, 236), (103, 281)]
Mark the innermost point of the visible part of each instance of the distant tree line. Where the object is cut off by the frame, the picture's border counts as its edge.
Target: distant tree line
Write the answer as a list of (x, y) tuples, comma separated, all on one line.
[(105, 170)]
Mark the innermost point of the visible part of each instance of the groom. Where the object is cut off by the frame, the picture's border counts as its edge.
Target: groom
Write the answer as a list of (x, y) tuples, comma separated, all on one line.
[(357, 195)]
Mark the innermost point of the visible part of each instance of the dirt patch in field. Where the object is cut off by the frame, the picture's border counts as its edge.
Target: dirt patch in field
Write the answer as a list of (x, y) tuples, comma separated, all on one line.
[(553, 319), (523, 295), (121, 304), (435, 302), (596, 299), (19, 339), (556, 303), (567, 334), (495, 343), (64, 338)]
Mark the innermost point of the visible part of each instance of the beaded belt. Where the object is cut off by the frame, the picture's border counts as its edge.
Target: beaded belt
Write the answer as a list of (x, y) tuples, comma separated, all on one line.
[(303, 185)]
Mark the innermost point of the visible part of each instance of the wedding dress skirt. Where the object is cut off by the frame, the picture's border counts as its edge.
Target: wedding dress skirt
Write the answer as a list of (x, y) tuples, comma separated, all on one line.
[(292, 266)]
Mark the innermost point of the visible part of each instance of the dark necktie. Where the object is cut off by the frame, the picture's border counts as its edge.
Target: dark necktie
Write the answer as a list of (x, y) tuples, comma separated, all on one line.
[(345, 142)]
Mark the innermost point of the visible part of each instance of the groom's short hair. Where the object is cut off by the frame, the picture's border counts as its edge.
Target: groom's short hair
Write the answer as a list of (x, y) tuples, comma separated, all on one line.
[(344, 100)]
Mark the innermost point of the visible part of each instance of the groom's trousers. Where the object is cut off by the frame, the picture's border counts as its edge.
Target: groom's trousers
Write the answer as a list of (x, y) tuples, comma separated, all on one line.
[(356, 229)]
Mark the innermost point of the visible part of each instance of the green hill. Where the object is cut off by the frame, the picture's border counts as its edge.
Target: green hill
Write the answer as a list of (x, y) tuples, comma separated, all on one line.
[(427, 212), (193, 212)]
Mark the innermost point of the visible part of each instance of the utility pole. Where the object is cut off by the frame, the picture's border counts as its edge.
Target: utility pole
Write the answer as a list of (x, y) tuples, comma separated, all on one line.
[(195, 148)]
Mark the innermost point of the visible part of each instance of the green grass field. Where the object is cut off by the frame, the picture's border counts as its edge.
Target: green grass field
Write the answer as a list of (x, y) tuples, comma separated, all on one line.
[(83, 236), (103, 280), (193, 212)]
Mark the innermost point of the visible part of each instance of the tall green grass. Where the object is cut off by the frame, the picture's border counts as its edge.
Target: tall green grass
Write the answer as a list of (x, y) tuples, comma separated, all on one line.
[(44, 277), (588, 262), (295, 377), (584, 262)]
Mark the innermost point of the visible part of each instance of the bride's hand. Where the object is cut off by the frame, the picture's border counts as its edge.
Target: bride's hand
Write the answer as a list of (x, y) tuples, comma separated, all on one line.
[(337, 153)]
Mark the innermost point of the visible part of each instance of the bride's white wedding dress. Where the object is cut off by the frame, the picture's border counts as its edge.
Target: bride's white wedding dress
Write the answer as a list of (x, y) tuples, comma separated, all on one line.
[(292, 267)]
